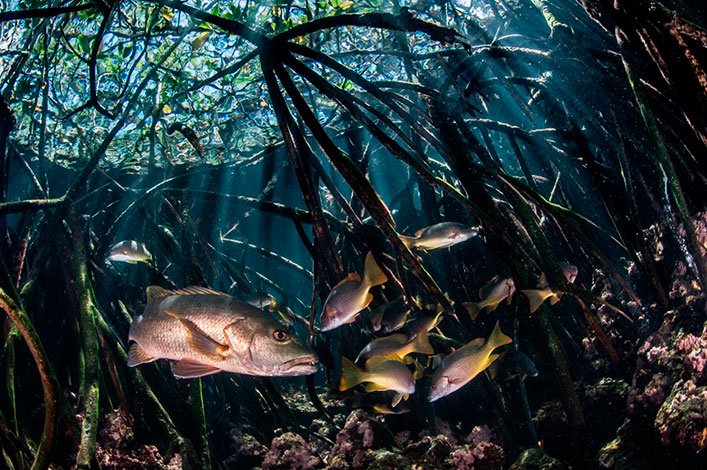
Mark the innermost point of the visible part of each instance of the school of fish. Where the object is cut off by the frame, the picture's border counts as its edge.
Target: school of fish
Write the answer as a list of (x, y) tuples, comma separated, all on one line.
[(204, 332)]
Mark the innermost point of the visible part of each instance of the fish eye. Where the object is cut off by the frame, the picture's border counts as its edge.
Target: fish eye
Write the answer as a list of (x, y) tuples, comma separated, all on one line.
[(280, 335)]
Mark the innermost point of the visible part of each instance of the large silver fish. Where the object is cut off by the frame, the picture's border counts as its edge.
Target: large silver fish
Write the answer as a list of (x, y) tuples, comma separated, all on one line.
[(206, 332), (130, 251), (442, 235)]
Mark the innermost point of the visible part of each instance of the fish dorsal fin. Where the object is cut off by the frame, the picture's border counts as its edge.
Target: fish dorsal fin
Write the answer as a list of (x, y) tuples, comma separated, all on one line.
[(419, 233), (350, 277), (157, 292), (474, 343)]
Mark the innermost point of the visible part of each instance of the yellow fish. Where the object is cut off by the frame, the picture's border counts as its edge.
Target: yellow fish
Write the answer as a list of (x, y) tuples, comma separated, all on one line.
[(536, 297), (388, 375), (442, 235), (492, 294), (351, 295), (394, 348), (465, 363)]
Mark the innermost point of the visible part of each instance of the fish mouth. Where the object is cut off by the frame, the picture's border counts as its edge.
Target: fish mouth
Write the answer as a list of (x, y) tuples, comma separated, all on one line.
[(301, 365)]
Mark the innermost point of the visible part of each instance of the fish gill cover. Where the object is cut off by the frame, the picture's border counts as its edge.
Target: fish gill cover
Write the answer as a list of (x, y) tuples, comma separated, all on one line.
[(190, 188)]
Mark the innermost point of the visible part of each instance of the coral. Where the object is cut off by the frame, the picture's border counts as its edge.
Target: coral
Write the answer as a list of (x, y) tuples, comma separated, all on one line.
[(632, 448), (147, 457), (554, 430), (117, 430), (694, 350), (682, 419), (479, 434), (605, 402), (462, 458), (403, 437), (484, 455), (352, 441), (247, 451), (383, 459), (290, 451), (536, 458), (430, 450), (116, 446), (445, 429)]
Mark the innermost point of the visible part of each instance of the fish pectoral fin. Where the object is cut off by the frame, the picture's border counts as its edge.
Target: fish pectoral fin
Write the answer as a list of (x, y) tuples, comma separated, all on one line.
[(409, 242), (199, 341), (351, 277), (475, 343), (397, 399), (190, 370), (137, 356), (456, 380)]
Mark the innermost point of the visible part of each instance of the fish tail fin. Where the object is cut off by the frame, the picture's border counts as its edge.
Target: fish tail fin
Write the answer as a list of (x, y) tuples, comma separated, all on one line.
[(498, 338), (409, 242), (474, 308), (351, 374), (373, 275), (536, 297), (422, 344), (555, 298)]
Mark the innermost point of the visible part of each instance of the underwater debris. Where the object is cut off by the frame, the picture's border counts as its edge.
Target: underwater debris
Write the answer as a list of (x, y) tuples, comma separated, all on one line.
[(441, 235), (207, 332)]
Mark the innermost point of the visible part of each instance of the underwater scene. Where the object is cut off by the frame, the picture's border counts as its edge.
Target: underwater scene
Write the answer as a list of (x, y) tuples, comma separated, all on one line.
[(333, 234)]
